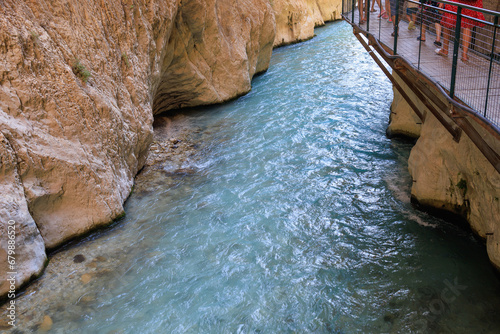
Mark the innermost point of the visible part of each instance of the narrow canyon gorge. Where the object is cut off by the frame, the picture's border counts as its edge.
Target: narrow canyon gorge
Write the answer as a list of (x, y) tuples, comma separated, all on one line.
[(80, 83)]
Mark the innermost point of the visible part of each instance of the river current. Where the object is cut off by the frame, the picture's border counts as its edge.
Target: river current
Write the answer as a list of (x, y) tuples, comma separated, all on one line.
[(293, 216)]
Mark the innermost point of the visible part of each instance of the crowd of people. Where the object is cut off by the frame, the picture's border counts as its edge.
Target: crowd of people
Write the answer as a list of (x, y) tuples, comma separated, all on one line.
[(430, 12)]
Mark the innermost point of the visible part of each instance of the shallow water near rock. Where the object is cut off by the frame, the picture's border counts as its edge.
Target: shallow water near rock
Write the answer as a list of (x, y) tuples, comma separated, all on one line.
[(290, 214)]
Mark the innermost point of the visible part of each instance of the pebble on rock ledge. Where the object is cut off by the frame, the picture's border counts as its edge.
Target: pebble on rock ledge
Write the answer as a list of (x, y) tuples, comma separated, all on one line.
[(46, 324)]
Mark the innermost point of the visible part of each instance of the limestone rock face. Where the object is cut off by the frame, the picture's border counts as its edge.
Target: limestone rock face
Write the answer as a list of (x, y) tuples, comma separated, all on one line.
[(78, 81), (215, 49), (456, 177), (296, 19), (451, 176), (403, 121), (26, 242)]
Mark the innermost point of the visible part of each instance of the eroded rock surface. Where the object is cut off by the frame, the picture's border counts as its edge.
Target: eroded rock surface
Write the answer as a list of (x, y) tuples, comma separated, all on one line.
[(215, 49), (296, 19), (78, 82), (451, 176), (456, 177)]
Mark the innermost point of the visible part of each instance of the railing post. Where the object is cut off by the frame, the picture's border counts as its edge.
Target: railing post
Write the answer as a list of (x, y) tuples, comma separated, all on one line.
[(353, 9), (421, 27), (368, 15), (491, 64), (396, 28), (456, 46)]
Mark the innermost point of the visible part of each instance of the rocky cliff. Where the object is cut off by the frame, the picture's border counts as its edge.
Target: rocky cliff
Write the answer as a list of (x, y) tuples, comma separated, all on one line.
[(296, 19), (79, 82), (448, 175)]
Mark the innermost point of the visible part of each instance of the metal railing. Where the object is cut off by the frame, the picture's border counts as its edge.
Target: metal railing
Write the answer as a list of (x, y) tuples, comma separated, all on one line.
[(470, 75)]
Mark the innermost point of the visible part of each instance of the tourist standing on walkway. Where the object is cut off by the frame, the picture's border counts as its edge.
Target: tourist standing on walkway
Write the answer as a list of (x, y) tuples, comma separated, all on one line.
[(395, 4), (449, 21), (373, 10), (431, 14), (363, 12), (411, 14)]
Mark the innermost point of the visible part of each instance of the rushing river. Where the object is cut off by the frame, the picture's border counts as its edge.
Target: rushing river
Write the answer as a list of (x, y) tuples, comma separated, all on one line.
[(292, 217)]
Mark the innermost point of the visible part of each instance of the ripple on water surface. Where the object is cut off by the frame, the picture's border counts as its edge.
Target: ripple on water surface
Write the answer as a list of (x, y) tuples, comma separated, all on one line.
[(294, 217)]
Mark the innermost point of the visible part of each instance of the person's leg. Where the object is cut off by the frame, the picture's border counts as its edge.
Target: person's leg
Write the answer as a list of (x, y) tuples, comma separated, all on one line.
[(446, 41), (383, 8), (466, 43), (422, 37), (412, 18), (361, 11), (438, 32)]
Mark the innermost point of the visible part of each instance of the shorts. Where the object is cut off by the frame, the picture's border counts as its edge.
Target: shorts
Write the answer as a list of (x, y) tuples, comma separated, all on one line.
[(411, 11), (393, 6)]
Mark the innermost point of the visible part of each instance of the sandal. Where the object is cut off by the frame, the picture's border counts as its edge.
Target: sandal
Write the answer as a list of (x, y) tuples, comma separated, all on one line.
[(373, 10), (381, 14)]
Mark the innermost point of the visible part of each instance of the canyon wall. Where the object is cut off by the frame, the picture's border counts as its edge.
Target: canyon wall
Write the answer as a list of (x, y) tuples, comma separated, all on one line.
[(448, 175), (79, 82), (296, 19)]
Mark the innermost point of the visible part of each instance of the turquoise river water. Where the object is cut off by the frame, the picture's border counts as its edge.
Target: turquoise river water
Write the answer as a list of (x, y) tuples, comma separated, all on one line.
[(294, 217)]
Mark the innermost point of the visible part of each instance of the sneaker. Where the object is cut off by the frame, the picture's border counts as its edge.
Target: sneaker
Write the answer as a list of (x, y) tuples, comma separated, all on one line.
[(389, 21), (438, 44), (440, 52), (411, 25)]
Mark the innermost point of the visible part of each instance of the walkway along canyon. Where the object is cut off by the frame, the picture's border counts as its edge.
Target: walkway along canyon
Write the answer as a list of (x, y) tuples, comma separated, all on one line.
[(80, 83), (455, 163)]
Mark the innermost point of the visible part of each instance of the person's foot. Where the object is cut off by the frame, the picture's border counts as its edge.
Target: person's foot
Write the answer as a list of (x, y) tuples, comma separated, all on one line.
[(382, 13), (441, 52), (420, 39), (389, 20), (411, 25), (465, 58), (373, 10), (438, 44)]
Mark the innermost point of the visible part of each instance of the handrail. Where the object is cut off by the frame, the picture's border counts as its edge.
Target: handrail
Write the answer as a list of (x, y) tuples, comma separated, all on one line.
[(462, 80), (454, 114), (477, 9)]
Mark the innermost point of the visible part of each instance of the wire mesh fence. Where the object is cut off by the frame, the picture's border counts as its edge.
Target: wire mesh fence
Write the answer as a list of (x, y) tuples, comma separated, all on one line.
[(456, 44)]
